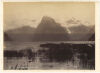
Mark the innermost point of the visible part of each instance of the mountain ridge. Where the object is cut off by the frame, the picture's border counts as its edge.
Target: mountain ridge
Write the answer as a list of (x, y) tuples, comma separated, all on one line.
[(50, 30)]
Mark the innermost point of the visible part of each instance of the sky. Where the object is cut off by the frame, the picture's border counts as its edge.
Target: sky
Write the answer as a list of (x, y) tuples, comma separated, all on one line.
[(30, 13)]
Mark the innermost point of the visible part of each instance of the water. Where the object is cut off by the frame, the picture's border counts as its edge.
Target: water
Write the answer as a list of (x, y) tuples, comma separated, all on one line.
[(58, 55)]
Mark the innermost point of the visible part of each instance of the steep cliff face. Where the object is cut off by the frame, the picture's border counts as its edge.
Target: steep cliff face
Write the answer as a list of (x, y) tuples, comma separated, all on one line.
[(6, 37), (49, 30)]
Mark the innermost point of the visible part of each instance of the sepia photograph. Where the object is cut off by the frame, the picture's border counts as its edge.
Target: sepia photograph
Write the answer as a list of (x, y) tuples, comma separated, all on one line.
[(49, 36)]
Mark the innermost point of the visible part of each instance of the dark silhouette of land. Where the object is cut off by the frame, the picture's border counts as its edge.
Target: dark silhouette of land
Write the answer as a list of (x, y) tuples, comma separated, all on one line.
[(50, 30), (7, 37)]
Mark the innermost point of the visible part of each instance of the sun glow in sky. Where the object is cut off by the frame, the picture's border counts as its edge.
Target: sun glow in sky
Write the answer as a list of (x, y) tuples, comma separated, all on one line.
[(23, 14)]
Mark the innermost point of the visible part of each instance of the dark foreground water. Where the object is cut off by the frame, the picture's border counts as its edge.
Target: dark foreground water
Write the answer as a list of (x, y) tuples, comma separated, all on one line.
[(49, 55)]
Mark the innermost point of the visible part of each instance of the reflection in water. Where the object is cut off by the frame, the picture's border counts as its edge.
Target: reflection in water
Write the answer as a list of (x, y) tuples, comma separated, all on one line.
[(52, 56)]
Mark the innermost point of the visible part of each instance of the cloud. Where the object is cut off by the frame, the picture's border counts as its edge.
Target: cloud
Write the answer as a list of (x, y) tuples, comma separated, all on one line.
[(35, 11)]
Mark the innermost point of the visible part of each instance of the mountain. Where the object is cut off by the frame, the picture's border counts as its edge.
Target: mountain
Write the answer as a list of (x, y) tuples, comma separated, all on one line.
[(49, 30), (24, 33), (79, 31), (6, 37), (24, 29)]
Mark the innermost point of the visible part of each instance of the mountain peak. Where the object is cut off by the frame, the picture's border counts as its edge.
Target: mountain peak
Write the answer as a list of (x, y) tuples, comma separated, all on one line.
[(50, 30), (46, 19)]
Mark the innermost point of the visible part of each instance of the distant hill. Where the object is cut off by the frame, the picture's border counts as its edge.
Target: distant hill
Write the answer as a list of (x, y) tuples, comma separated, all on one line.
[(24, 29), (49, 30), (79, 31), (21, 34)]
